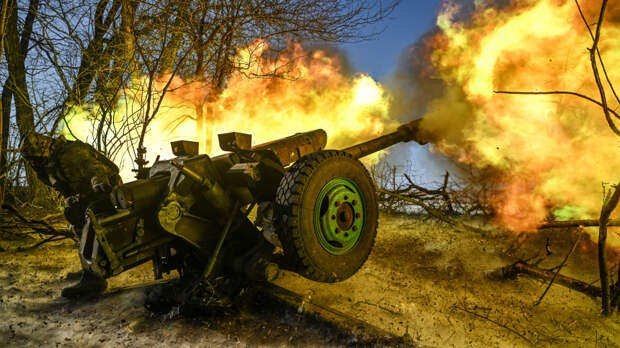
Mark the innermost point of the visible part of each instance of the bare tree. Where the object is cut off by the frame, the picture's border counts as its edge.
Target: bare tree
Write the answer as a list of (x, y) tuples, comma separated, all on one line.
[(92, 55)]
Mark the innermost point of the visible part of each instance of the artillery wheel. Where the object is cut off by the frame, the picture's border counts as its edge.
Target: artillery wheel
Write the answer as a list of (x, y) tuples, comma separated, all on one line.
[(326, 214)]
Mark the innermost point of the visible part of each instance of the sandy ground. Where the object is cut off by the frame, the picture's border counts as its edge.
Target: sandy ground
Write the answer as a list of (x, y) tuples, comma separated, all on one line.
[(422, 281), (434, 284), (32, 313)]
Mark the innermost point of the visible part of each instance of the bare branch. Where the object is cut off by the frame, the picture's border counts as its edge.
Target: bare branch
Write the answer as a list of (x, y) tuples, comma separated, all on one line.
[(598, 52), (560, 92), (559, 268)]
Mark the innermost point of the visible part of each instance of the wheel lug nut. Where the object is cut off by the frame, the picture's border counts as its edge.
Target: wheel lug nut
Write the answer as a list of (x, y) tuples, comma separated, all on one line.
[(346, 198), (337, 230), (346, 235), (333, 217), (337, 203), (354, 202), (357, 215), (354, 228)]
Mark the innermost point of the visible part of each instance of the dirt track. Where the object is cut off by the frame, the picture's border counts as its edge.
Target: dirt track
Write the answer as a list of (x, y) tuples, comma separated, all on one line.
[(424, 282)]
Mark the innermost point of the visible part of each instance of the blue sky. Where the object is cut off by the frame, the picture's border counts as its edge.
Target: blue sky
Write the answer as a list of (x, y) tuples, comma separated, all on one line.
[(379, 58), (409, 20)]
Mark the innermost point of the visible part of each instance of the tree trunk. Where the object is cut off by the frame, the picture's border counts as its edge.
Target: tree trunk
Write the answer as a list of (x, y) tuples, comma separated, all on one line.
[(609, 206), (7, 98), (18, 87), (128, 18), (4, 124)]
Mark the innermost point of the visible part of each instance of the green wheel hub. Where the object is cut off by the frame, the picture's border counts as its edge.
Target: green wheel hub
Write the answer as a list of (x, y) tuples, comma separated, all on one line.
[(339, 216)]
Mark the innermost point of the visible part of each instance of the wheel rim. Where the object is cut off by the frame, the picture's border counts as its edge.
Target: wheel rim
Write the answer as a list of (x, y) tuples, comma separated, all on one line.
[(339, 216)]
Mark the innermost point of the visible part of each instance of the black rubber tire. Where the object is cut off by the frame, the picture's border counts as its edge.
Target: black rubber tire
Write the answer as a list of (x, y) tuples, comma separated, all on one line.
[(294, 210)]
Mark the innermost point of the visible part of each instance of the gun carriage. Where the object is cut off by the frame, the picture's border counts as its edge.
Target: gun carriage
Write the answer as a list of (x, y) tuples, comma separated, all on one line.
[(191, 213)]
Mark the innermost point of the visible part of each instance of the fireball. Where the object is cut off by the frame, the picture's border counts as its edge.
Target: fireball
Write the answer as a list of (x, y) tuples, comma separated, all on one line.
[(312, 92), (552, 153)]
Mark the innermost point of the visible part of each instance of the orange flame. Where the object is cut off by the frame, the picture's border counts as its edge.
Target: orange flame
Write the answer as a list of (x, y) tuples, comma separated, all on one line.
[(314, 93), (551, 152)]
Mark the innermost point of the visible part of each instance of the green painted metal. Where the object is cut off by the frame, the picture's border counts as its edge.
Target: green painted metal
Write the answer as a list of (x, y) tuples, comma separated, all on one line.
[(339, 216)]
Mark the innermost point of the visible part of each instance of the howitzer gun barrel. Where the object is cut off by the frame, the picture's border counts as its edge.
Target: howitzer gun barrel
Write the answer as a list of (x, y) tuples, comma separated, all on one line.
[(404, 133)]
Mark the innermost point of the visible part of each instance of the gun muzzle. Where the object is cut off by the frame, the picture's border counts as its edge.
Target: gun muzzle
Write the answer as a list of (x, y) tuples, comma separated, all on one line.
[(407, 132)]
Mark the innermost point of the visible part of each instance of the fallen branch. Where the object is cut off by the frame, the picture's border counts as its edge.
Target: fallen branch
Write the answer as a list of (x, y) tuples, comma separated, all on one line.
[(46, 240), (305, 306), (46, 228), (449, 198), (520, 267), (577, 223)]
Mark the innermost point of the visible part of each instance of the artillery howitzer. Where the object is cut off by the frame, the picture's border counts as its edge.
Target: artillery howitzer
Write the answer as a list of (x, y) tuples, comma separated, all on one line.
[(191, 213)]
